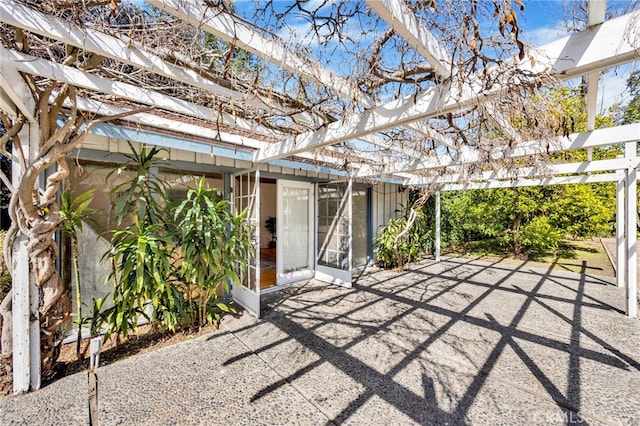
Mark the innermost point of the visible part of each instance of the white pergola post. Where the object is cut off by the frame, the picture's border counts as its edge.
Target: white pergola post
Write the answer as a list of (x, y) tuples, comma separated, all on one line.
[(621, 245), (437, 236), (25, 296), (630, 231)]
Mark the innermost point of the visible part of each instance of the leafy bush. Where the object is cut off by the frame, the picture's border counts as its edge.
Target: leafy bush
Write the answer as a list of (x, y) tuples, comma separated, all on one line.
[(404, 239), (211, 241), (170, 264), (539, 236), (141, 253)]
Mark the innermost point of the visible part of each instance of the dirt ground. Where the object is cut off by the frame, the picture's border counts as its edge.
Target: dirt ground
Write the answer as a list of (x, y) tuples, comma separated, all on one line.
[(147, 339)]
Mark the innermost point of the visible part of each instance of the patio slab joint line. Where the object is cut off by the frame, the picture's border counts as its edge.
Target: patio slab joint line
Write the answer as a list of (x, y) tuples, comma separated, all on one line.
[(299, 391)]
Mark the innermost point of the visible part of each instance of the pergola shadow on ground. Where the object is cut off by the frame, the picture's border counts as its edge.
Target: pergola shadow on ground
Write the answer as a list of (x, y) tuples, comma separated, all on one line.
[(454, 342)]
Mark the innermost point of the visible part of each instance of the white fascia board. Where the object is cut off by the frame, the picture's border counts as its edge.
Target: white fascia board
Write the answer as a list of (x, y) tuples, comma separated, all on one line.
[(66, 74), (21, 16), (467, 155), (241, 34), (15, 87), (591, 50), (527, 172), (596, 10), (405, 23), (567, 180)]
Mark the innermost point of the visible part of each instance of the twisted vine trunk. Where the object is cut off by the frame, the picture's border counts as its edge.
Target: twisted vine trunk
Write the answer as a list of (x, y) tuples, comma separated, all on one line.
[(37, 217), (35, 213)]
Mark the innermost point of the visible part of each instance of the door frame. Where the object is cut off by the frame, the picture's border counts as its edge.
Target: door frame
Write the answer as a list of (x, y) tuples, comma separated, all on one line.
[(329, 274), (283, 278), (245, 296)]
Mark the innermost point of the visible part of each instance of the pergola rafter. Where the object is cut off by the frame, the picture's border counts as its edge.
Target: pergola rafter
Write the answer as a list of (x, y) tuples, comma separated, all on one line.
[(67, 74), (24, 17), (241, 34), (588, 51), (600, 137)]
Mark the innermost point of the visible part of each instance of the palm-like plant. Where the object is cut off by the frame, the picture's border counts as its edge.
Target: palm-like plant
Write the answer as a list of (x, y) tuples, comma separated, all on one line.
[(215, 246), (75, 211)]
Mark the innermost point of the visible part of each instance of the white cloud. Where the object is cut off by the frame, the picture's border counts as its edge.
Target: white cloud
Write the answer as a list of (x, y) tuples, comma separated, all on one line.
[(542, 35), (613, 86)]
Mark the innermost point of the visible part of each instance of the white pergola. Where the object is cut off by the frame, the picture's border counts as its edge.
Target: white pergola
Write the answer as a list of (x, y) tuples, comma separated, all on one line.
[(603, 44)]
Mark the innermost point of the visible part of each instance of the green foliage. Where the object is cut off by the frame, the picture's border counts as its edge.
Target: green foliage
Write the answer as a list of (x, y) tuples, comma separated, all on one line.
[(528, 220), (211, 242), (538, 236), (404, 239), (631, 112), (140, 253), (170, 264), (140, 197), (581, 212), (75, 211)]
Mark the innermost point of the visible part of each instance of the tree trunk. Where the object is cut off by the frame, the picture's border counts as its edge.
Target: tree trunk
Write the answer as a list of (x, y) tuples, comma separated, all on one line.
[(516, 234)]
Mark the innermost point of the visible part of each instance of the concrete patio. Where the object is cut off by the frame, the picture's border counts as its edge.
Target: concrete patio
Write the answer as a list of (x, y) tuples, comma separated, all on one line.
[(458, 342)]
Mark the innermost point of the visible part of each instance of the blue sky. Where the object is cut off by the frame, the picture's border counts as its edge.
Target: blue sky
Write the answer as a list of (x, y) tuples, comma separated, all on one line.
[(543, 21)]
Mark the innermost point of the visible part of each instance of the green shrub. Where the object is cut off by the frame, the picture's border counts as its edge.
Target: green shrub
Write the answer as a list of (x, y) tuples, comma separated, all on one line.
[(539, 236), (170, 264), (404, 239)]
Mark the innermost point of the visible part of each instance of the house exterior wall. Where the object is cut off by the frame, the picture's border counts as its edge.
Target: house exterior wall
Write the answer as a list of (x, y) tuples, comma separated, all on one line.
[(387, 201)]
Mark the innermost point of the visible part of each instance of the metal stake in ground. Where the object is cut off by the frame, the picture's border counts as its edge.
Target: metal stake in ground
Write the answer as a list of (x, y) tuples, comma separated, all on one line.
[(95, 347)]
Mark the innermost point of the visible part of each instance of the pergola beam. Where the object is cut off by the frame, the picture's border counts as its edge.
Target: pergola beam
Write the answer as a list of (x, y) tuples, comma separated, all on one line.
[(549, 170), (432, 134), (21, 16), (608, 136), (66, 74), (239, 33), (151, 120), (405, 23), (518, 183), (15, 88), (591, 50), (591, 99), (596, 10)]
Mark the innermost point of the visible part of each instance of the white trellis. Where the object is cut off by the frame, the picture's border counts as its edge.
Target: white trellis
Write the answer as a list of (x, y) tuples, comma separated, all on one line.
[(601, 45)]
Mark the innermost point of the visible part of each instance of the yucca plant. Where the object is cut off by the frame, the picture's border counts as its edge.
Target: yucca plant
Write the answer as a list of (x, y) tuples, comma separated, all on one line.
[(75, 211)]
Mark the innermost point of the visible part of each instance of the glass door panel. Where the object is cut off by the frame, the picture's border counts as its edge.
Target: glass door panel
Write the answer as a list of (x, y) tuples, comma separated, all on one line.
[(333, 262), (246, 195), (295, 238), (360, 228)]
